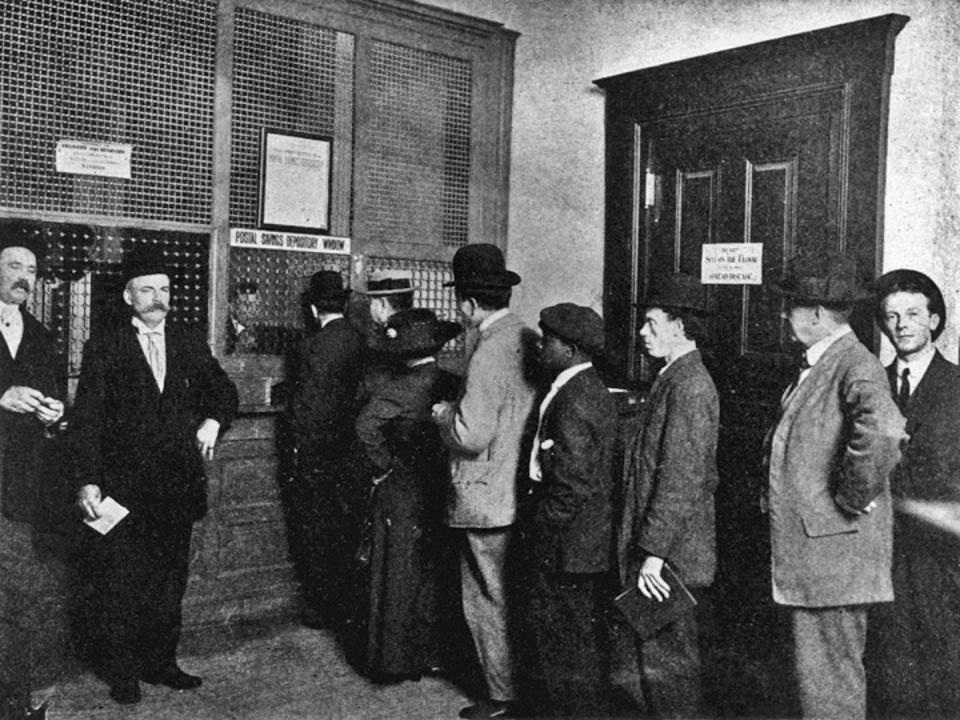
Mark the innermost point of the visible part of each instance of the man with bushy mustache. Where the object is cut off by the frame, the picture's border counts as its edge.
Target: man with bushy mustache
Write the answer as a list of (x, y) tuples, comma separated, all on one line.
[(151, 403)]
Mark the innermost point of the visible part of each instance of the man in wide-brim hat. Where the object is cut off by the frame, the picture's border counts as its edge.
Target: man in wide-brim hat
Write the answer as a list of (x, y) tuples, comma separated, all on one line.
[(483, 433), (322, 413), (671, 475), (388, 291), (830, 456)]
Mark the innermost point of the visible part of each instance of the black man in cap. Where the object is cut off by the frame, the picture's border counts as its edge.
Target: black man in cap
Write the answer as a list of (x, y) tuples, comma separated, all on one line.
[(671, 476), (912, 648), (566, 523), (151, 403), (322, 413), (830, 457)]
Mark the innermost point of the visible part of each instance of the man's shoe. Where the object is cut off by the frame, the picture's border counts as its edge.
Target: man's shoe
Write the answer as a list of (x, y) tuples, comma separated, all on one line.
[(488, 709), (125, 692), (173, 677)]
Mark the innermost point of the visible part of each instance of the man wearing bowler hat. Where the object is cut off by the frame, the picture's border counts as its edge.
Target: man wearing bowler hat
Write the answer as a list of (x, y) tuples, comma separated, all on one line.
[(151, 403), (671, 475), (912, 648), (322, 413), (830, 456), (483, 431), (566, 523)]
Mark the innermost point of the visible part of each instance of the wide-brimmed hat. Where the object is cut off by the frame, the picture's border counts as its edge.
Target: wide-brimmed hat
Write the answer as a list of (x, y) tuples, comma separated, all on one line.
[(677, 291), (326, 286), (144, 260), (827, 278), (481, 267), (903, 280), (417, 332), (575, 324), (388, 282)]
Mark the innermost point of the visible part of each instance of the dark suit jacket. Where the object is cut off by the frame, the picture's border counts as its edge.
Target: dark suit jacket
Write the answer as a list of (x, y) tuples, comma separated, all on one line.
[(671, 475), (322, 409), (930, 468), (570, 516), (140, 445), (30, 476)]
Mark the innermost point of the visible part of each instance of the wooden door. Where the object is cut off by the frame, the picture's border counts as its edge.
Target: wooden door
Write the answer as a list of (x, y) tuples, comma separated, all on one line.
[(781, 144)]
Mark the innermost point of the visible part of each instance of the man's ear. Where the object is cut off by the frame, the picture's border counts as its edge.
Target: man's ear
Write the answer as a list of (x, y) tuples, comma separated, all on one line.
[(934, 322), (127, 296)]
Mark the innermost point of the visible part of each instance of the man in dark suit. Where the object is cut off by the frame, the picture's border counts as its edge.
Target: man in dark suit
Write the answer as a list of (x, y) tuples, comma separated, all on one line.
[(322, 414), (31, 575), (831, 454), (151, 403), (913, 651), (671, 475), (566, 522)]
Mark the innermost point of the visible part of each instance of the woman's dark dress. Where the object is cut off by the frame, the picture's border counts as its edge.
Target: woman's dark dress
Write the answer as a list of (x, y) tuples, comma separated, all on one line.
[(405, 562)]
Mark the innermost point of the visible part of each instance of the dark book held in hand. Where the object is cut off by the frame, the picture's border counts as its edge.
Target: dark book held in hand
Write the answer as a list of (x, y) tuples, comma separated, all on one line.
[(648, 615)]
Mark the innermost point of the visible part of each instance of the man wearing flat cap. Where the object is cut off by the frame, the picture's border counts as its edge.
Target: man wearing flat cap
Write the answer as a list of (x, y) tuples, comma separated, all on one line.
[(566, 523), (830, 456), (912, 649), (483, 431), (31, 406), (151, 403), (323, 410), (670, 478)]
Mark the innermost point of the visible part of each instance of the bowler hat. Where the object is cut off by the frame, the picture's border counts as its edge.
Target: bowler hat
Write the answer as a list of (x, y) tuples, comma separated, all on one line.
[(416, 333), (575, 324), (144, 260), (388, 282), (481, 267), (827, 278), (903, 280), (326, 286), (678, 291)]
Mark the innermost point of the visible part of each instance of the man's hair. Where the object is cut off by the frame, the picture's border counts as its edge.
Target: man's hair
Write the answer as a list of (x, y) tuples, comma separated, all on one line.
[(490, 299), (399, 301), (329, 305), (694, 327)]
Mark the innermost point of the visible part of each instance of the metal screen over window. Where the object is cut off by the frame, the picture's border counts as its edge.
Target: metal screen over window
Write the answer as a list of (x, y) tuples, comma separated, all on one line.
[(138, 73), (419, 142)]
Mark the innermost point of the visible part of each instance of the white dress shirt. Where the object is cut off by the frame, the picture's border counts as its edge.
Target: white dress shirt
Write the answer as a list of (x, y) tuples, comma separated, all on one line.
[(159, 337), (11, 325)]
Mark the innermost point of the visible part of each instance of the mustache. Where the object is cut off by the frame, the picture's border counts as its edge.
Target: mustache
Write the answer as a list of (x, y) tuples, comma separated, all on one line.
[(21, 283), (157, 306)]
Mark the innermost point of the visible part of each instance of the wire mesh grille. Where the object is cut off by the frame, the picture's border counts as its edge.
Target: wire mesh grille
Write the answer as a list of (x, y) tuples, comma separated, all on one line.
[(139, 73), (419, 146)]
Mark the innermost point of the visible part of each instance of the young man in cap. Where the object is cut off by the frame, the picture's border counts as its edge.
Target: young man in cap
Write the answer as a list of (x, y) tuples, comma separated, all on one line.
[(150, 405), (566, 522), (31, 577), (830, 457), (913, 653), (323, 409), (671, 475), (483, 432)]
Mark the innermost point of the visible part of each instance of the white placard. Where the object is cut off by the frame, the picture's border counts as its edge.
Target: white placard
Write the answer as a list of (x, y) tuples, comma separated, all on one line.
[(300, 242), (295, 181), (94, 158), (732, 264)]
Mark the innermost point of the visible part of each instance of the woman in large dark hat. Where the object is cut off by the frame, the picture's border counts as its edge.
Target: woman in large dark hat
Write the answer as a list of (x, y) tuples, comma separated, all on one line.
[(398, 631)]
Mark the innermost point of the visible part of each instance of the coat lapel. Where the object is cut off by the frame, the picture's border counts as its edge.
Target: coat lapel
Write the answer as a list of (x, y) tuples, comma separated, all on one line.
[(819, 377)]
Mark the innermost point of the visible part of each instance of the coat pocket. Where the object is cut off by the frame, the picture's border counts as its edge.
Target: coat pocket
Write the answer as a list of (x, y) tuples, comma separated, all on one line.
[(825, 524)]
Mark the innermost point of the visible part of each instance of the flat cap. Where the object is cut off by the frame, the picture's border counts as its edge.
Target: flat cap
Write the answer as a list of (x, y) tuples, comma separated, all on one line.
[(576, 324)]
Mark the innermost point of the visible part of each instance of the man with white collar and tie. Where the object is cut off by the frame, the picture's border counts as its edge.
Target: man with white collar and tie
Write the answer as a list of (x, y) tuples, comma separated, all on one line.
[(913, 653), (151, 404), (831, 454)]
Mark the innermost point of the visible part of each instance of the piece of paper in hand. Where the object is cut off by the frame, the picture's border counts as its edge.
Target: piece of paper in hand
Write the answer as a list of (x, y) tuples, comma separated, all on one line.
[(111, 512)]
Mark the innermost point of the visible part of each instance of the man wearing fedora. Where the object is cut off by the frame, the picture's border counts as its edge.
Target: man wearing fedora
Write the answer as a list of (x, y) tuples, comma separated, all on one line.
[(31, 571), (322, 412), (670, 479), (912, 648), (150, 406), (484, 430), (830, 456), (566, 518)]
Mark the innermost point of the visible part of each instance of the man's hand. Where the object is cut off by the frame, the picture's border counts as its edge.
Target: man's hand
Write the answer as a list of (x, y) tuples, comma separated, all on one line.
[(88, 498), (441, 412), (50, 411), (22, 399), (650, 583), (207, 437)]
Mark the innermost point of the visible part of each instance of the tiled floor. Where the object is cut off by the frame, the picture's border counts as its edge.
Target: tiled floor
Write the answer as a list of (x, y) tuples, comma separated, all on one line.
[(291, 672)]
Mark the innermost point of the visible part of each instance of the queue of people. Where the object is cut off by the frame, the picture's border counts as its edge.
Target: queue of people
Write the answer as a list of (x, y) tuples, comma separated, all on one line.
[(421, 503)]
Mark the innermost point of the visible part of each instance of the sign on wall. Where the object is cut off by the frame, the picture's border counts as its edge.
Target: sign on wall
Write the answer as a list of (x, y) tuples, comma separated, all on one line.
[(300, 242), (82, 157), (732, 264)]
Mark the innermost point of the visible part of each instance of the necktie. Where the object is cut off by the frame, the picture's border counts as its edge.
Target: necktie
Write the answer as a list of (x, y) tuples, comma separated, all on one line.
[(903, 396), (156, 359)]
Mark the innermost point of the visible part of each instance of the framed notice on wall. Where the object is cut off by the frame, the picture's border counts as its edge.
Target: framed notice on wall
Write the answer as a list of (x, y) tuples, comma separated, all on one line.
[(295, 181)]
